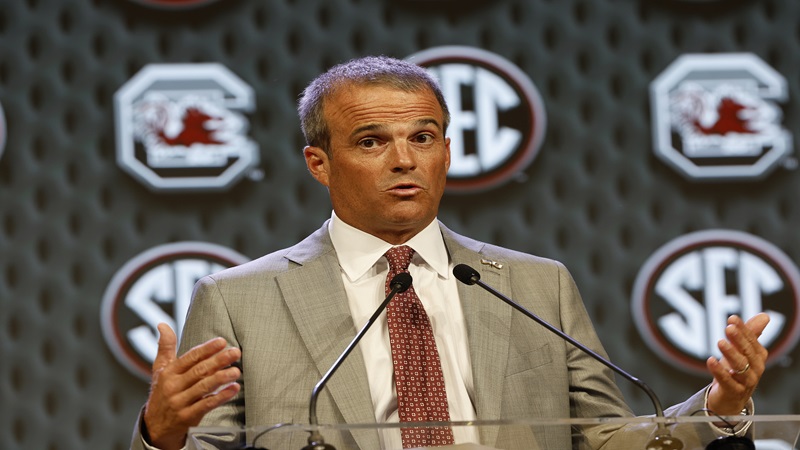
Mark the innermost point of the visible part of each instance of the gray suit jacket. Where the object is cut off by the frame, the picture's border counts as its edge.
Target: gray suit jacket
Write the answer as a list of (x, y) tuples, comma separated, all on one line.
[(289, 314)]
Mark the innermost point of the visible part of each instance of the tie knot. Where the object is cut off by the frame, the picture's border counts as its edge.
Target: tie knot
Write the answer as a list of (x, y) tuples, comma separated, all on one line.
[(399, 258)]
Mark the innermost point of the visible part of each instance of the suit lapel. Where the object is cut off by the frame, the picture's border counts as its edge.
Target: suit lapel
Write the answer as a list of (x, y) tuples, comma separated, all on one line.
[(316, 298), (488, 329)]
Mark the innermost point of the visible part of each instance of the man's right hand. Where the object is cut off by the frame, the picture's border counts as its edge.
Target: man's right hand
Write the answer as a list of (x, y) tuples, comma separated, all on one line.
[(184, 389)]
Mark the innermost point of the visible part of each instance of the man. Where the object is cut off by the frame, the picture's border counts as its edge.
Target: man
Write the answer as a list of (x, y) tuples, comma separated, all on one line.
[(375, 129)]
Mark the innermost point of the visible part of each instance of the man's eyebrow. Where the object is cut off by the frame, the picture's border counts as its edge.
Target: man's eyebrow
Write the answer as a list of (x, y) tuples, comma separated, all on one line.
[(378, 127), (423, 122), (365, 128)]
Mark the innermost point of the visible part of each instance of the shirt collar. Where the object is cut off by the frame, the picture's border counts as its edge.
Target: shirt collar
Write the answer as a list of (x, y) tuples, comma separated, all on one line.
[(358, 251)]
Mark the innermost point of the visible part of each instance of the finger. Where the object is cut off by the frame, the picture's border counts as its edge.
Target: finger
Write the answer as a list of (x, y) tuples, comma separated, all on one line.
[(185, 416), (729, 382), (199, 353), (167, 347), (749, 331), (744, 337), (745, 341), (733, 359), (744, 370), (208, 386), (757, 324), (194, 413), (720, 371), (204, 377)]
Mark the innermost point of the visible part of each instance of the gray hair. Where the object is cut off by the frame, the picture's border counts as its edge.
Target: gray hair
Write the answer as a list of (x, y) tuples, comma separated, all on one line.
[(373, 70)]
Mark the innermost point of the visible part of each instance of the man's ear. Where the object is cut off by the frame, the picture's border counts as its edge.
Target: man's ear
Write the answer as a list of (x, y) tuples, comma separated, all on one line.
[(447, 148), (317, 163)]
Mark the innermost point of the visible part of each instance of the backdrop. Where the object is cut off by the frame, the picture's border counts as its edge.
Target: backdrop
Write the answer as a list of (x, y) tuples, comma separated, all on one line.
[(608, 181)]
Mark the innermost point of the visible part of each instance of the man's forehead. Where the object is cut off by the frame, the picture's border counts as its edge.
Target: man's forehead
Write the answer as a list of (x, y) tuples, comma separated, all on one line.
[(383, 103), (345, 91)]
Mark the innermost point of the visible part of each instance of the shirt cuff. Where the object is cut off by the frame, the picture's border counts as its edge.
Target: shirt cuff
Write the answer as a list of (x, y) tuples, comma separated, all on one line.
[(150, 447), (739, 428)]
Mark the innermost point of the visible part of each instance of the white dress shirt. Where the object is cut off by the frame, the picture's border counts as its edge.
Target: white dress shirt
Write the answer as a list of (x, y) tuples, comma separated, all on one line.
[(364, 271)]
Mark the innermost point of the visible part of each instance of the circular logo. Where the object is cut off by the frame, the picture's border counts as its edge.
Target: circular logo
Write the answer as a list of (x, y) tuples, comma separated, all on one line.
[(497, 118), (687, 289), (154, 287)]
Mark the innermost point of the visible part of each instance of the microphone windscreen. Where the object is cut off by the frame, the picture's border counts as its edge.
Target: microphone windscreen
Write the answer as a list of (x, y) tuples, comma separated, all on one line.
[(402, 281), (466, 274)]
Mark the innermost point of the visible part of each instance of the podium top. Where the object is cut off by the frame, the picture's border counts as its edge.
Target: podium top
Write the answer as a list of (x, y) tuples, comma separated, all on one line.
[(770, 432)]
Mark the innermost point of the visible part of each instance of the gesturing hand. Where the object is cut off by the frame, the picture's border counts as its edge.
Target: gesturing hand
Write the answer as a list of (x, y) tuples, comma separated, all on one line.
[(737, 374), (184, 389)]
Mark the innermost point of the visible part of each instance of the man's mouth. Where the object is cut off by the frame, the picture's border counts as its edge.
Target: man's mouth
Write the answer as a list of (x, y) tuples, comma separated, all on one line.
[(405, 188)]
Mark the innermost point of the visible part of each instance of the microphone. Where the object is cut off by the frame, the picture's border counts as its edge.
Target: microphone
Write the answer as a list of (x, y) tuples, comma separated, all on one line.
[(731, 443), (400, 283), (663, 439)]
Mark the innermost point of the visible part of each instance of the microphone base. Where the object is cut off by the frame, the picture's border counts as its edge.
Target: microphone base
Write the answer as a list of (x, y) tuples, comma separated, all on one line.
[(318, 446), (316, 442), (664, 442), (731, 443)]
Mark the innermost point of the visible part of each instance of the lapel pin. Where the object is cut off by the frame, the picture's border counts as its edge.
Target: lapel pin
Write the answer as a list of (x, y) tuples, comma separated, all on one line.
[(489, 262)]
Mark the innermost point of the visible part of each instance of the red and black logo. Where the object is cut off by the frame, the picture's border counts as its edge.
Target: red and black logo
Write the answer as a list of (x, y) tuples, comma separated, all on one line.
[(497, 118), (154, 287), (688, 288), (716, 117), (181, 127)]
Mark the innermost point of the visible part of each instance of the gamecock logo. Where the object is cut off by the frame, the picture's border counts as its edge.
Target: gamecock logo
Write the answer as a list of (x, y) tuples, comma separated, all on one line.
[(715, 117), (181, 127)]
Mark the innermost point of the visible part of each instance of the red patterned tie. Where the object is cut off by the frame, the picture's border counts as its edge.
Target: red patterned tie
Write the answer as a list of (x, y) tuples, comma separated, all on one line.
[(421, 394)]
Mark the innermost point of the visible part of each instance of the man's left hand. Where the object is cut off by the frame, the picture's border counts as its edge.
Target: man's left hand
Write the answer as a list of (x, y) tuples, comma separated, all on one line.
[(737, 374)]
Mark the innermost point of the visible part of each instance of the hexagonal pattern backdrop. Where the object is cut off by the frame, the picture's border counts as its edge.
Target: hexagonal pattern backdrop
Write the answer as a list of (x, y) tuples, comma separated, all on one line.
[(595, 197)]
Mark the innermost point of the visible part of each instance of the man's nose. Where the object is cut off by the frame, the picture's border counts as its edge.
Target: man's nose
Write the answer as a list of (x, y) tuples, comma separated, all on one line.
[(403, 154)]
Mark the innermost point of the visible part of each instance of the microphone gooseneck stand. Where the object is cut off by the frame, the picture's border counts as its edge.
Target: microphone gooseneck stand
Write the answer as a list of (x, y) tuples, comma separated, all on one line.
[(400, 283), (663, 439)]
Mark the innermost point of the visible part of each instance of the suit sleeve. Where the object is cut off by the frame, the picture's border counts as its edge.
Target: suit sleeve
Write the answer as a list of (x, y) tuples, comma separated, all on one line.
[(594, 392), (208, 317)]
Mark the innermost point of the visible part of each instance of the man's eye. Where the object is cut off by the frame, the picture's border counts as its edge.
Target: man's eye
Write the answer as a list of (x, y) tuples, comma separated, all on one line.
[(368, 143), (424, 138)]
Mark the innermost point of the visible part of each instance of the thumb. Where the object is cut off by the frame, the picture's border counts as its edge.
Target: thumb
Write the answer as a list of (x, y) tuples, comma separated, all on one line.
[(167, 347)]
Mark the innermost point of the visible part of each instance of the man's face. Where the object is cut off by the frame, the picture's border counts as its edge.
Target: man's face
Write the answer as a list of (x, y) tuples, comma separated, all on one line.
[(388, 159)]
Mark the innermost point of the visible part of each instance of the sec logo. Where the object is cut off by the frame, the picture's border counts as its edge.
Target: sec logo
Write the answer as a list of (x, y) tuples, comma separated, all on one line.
[(687, 289), (154, 287), (497, 118)]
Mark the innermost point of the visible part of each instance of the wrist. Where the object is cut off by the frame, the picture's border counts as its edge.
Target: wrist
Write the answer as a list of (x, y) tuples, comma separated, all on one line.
[(730, 425), (161, 442)]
